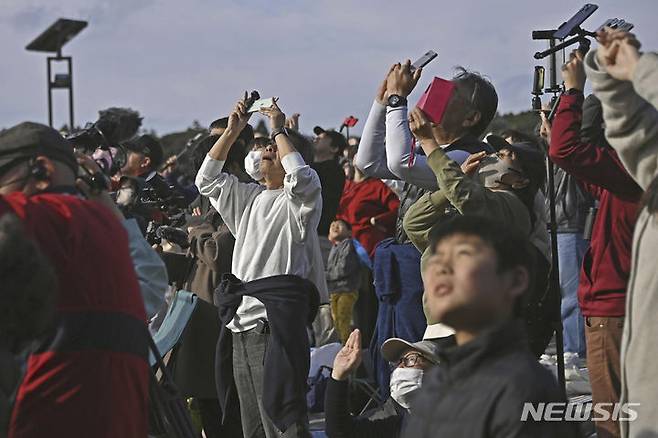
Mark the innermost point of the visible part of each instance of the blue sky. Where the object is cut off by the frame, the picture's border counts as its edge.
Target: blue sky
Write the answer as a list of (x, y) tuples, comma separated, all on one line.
[(176, 61)]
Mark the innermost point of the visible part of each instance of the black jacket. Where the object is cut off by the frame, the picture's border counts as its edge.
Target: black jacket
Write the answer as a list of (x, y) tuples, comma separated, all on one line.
[(291, 303), (343, 270), (332, 179), (340, 423), (480, 388)]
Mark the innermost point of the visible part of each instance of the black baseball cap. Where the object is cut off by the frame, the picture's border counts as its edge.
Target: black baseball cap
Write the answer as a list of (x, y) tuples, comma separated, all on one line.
[(28, 139), (149, 146), (337, 139)]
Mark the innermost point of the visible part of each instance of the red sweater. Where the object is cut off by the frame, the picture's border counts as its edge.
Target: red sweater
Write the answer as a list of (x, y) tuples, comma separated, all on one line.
[(607, 263), (91, 379), (365, 200)]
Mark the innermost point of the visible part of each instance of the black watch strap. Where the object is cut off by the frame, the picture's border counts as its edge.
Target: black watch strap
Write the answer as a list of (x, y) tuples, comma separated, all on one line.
[(277, 132), (395, 101)]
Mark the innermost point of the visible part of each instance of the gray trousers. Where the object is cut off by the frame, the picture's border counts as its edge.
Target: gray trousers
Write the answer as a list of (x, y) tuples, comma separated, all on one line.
[(248, 358)]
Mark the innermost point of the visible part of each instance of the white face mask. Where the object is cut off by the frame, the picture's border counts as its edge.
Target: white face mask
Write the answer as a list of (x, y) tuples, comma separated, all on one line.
[(405, 381), (252, 164)]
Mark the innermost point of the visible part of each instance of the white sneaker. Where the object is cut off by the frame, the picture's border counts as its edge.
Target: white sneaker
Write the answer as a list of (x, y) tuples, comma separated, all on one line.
[(572, 368), (548, 360)]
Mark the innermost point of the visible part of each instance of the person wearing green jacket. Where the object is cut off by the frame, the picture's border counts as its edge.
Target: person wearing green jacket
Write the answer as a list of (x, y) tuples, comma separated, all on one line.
[(500, 186)]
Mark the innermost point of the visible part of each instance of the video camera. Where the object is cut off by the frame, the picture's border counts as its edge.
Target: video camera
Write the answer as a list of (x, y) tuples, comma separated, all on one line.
[(102, 139), (151, 201)]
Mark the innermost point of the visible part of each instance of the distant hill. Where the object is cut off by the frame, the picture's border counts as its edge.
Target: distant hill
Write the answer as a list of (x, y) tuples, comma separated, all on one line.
[(174, 142), (526, 122)]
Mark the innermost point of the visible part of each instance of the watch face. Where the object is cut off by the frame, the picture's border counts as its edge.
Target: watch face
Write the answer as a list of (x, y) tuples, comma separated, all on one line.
[(393, 100)]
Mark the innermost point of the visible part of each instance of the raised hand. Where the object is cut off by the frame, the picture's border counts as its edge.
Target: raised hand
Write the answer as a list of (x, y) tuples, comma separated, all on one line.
[(420, 125), (618, 52), (348, 358), (292, 122), (573, 72), (239, 118), (472, 162), (401, 80), (93, 193), (545, 129), (382, 95), (276, 116)]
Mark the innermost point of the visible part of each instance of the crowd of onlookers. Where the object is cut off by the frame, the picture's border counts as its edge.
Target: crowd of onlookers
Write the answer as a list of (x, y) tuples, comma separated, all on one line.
[(420, 251)]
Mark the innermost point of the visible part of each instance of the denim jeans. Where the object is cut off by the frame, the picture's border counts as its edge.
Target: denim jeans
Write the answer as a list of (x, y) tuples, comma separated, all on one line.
[(571, 248), (248, 365)]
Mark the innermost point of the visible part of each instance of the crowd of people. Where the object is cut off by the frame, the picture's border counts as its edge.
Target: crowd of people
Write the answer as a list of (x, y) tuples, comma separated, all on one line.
[(420, 252)]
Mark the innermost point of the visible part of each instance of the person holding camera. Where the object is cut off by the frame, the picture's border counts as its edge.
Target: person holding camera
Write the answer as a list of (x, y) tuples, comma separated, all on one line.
[(90, 376), (274, 225)]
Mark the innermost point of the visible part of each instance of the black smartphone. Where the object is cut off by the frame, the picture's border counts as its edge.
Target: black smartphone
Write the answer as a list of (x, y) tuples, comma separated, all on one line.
[(565, 30), (424, 60), (538, 80)]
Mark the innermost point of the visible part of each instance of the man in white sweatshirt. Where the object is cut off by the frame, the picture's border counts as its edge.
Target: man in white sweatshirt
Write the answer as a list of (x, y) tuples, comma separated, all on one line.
[(274, 226)]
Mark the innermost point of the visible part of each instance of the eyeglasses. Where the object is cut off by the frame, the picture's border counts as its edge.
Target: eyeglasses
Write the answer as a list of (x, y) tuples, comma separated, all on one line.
[(410, 360)]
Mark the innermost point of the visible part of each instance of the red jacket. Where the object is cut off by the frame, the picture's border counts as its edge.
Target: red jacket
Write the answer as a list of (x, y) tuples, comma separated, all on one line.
[(365, 200), (91, 378), (607, 263)]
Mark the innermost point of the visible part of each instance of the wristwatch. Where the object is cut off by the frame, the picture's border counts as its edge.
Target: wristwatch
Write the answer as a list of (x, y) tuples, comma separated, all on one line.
[(278, 131), (395, 100)]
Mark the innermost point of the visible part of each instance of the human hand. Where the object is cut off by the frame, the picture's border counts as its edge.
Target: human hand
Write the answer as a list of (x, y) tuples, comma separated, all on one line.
[(239, 118), (382, 95), (348, 358), (401, 80), (618, 52), (573, 72), (292, 122), (420, 125), (472, 162), (103, 197), (276, 116), (545, 129)]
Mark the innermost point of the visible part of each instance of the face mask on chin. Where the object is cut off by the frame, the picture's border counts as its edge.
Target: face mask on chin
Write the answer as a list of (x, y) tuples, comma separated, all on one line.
[(405, 381), (252, 164)]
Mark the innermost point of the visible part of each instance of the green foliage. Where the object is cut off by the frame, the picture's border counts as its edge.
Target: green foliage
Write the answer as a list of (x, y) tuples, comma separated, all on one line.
[(175, 142), (525, 122)]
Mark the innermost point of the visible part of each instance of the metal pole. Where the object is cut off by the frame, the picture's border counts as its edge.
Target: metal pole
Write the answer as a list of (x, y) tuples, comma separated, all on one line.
[(50, 97), (554, 278), (70, 63)]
